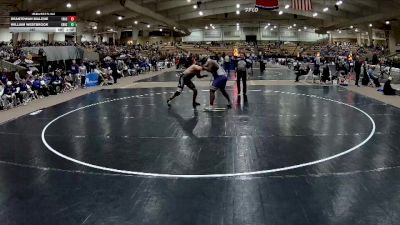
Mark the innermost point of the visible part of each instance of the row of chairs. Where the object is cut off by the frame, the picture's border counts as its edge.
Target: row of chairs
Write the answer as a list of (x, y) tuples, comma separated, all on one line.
[(334, 75)]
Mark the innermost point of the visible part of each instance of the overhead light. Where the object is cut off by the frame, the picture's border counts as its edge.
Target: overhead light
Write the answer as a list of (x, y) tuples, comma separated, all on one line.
[(315, 14), (111, 30), (356, 30), (119, 17), (200, 13), (351, 27), (160, 30), (237, 28), (269, 24), (328, 32), (387, 22), (98, 12), (272, 28), (325, 9), (194, 6), (370, 25), (237, 6), (174, 28), (287, 6), (294, 25), (206, 27), (135, 22), (290, 27), (280, 12), (275, 26), (299, 30), (237, 24), (148, 25), (305, 28), (213, 28), (237, 12), (188, 0), (94, 28), (340, 31), (339, 2), (69, 5)]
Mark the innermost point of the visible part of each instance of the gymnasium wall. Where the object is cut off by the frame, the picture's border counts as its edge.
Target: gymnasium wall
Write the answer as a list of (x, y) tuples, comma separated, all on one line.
[(37, 36), (5, 35), (59, 37), (152, 40), (88, 37), (232, 34)]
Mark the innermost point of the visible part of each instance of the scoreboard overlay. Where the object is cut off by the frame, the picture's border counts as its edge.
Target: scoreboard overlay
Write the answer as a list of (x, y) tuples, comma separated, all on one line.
[(60, 22)]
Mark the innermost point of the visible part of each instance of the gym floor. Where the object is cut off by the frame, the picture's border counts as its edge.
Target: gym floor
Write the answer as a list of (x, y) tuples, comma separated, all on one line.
[(284, 155)]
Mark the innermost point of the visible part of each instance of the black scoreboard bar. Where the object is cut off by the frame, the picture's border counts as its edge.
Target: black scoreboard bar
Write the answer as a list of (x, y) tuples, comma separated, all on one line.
[(64, 22)]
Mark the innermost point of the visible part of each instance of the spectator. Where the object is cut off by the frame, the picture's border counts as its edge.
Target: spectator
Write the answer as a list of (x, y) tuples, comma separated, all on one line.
[(326, 74), (56, 82), (82, 72), (357, 69), (8, 96), (75, 74), (388, 90), (4, 78), (22, 91), (373, 77)]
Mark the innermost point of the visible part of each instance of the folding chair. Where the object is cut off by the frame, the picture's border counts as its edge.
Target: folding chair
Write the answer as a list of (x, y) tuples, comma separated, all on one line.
[(332, 70)]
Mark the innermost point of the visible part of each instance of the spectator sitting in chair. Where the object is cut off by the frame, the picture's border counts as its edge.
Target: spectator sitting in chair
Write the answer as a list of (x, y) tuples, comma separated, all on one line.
[(373, 77), (40, 87), (22, 91), (302, 71), (3, 78), (388, 90), (56, 82), (9, 94)]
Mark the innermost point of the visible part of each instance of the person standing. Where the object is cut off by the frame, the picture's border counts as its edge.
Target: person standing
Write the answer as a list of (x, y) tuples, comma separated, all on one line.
[(82, 72), (75, 73), (357, 69), (241, 74)]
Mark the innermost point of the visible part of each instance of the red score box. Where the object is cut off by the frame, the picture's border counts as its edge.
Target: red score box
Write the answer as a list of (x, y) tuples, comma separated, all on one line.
[(71, 18)]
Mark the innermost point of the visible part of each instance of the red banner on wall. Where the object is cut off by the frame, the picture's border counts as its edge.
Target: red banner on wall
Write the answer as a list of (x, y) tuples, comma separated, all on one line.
[(267, 4)]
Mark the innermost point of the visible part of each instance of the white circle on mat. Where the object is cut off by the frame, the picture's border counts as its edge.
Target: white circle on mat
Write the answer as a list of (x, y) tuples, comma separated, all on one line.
[(162, 175)]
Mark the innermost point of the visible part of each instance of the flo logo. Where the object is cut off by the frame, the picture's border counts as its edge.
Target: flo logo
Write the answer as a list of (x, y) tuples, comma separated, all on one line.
[(251, 10)]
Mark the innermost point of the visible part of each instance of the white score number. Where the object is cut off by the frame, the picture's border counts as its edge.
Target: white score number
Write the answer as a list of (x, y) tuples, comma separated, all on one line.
[(251, 10)]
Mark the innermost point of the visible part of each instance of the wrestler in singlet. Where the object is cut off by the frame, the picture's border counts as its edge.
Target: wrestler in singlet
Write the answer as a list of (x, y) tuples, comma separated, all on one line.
[(185, 79)]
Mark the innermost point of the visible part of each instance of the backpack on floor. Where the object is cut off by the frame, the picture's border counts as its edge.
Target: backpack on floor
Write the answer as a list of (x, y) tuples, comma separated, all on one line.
[(365, 81)]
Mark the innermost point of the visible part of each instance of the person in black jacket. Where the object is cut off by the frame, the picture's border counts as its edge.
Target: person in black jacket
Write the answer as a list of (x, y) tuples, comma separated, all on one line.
[(326, 75), (114, 69), (357, 69), (388, 90)]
